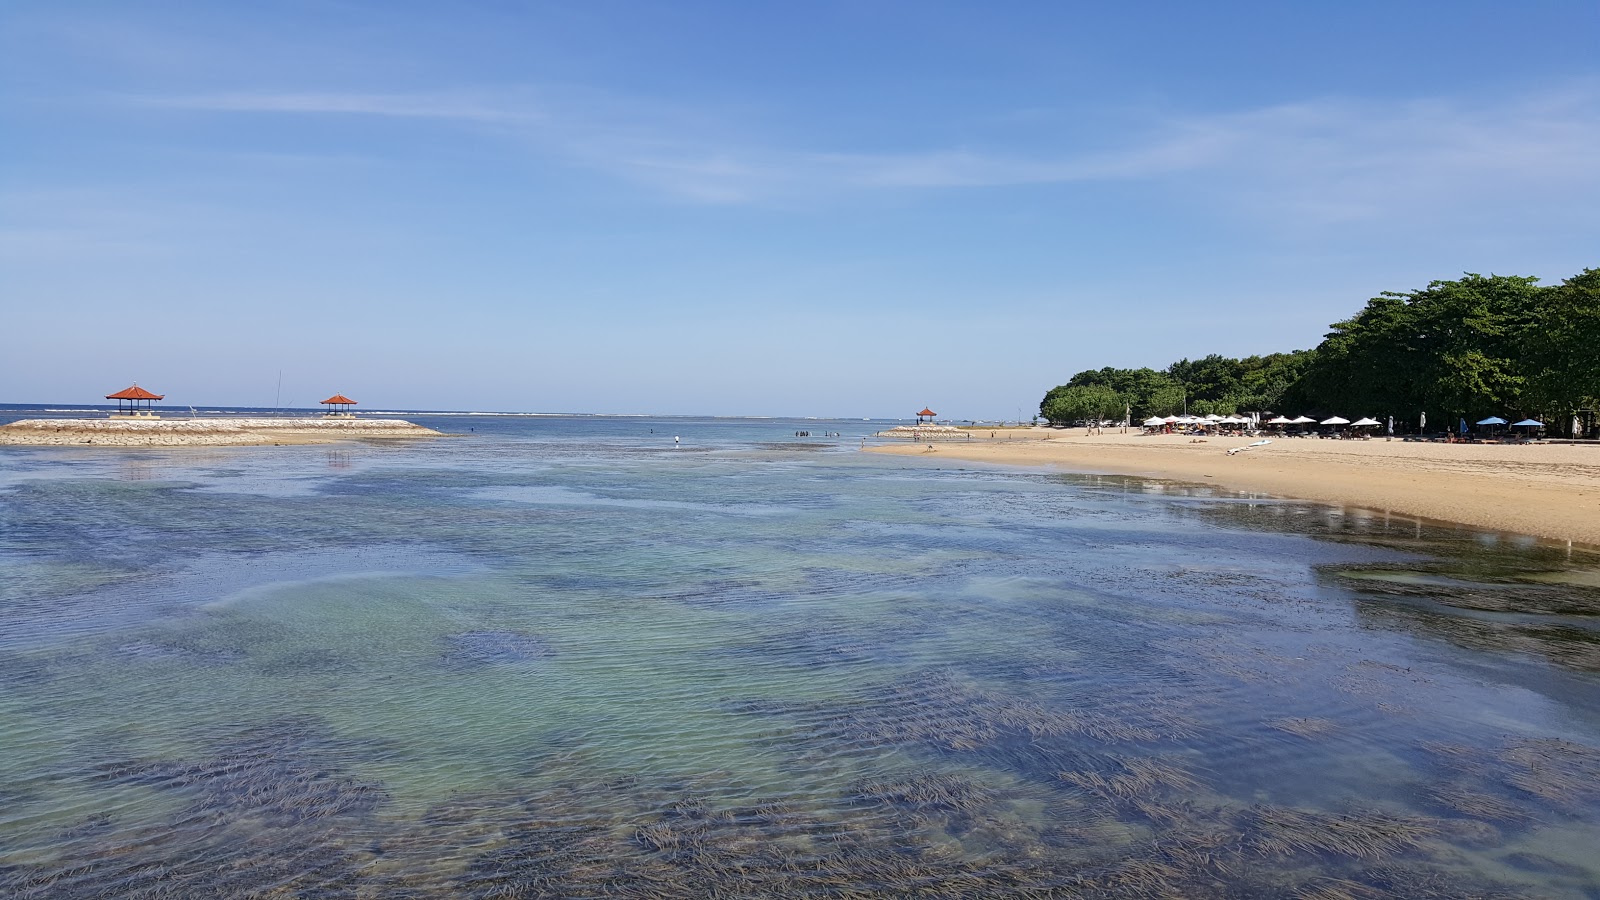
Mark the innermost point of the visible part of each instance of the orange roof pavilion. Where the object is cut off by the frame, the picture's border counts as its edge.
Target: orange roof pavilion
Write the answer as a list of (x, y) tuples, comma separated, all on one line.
[(339, 405), (926, 412), (133, 396)]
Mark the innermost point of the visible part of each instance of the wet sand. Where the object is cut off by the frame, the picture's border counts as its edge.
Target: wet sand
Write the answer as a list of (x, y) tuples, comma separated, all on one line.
[(1548, 490), (203, 432)]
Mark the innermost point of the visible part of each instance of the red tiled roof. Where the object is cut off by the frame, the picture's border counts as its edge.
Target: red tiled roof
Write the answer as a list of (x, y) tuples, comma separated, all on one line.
[(134, 393), (340, 398), (927, 412)]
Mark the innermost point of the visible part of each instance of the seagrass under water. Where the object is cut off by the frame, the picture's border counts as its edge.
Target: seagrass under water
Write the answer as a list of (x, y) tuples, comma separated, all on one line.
[(565, 658)]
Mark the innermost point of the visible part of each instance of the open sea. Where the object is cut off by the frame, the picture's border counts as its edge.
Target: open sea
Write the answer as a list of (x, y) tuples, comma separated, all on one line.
[(567, 657)]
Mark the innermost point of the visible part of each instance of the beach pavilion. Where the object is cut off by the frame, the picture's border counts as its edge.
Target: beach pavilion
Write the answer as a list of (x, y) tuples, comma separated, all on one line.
[(128, 401), (339, 405), (926, 413)]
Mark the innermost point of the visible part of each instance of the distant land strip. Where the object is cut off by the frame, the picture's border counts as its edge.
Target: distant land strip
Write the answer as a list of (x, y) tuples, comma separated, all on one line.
[(204, 432)]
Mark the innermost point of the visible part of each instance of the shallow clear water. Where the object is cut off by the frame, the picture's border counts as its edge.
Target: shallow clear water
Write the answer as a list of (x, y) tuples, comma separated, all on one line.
[(561, 657)]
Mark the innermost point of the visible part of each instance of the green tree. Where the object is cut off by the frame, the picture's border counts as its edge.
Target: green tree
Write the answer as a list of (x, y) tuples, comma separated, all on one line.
[(1559, 347), (1471, 347), (1072, 402), (1210, 380), (1145, 390), (1450, 349)]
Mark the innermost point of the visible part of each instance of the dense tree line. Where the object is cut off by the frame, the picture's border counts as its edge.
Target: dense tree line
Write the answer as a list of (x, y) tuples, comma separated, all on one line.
[(1469, 348)]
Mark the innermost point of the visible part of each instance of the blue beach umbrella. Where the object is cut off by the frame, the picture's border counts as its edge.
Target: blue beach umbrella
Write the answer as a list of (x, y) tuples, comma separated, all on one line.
[(1492, 420)]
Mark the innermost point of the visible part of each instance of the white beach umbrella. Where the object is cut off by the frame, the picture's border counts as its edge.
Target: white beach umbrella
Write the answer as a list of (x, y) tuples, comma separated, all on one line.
[(1213, 417), (1368, 420), (1235, 420), (1154, 422), (1171, 420), (1336, 420), (1301, 420), (1280, 420)]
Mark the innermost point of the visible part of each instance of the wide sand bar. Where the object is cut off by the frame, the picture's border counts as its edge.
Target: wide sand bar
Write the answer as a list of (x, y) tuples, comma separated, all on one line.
[(1549, 490), (204, 432)]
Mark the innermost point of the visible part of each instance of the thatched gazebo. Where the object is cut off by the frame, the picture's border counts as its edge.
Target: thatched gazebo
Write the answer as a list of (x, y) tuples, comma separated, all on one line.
[(128, 401), (339, 405)]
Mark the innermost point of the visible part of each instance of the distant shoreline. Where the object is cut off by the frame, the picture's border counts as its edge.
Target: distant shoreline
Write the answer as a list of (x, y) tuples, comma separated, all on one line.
[(203, 432), (1546, 490)]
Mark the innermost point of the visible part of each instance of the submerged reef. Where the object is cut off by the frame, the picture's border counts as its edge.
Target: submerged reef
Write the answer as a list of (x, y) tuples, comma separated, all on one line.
[(276, 811)]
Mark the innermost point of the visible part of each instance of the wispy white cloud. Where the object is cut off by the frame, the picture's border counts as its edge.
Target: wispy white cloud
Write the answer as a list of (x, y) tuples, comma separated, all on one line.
[(445, 106), (1326, 159), (56, 225)]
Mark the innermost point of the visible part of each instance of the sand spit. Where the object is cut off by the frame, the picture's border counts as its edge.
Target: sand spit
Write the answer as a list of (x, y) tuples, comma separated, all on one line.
[(204, 432), (1548, 490)]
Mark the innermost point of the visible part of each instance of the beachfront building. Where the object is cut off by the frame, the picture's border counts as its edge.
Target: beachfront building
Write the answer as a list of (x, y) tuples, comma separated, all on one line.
[(128, 401), (339, 405), (926, 413)]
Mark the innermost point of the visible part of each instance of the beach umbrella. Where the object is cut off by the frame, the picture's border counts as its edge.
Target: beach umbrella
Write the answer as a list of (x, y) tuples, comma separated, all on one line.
[(1301, 420), (1492, 420), (1154, 422), (1528, 423), (1335, 420), (1280, 420), (1213, 417), (1365, 422), (1171, 420)]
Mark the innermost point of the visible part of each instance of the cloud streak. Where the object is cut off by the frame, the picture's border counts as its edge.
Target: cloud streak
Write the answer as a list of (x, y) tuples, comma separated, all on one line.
[(1330, 159), (443, 106)]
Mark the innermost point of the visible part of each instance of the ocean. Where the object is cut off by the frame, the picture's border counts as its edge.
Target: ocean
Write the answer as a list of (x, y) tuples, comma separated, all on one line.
[(688, 657)]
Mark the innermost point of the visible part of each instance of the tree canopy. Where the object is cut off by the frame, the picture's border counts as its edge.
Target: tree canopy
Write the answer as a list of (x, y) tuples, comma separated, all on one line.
[(1476, 346)]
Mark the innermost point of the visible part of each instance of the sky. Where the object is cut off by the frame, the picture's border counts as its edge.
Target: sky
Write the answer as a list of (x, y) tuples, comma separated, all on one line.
[(732, 208)]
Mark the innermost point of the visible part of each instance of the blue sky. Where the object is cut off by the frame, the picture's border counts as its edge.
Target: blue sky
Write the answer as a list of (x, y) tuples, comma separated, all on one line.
[(851, 208)]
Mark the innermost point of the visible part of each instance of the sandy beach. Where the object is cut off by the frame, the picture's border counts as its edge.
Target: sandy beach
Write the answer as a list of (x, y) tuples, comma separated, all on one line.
[(204, 432), (1548, 490)]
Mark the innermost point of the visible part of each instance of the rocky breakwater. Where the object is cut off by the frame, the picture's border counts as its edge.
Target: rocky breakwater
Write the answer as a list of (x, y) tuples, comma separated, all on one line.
[(115, 432)]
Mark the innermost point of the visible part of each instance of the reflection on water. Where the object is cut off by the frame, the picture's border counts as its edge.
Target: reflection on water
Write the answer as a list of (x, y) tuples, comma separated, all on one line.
[(521, 667)]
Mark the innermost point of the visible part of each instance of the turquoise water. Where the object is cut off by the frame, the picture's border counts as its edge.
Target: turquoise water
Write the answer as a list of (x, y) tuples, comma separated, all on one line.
[(569, 657)]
